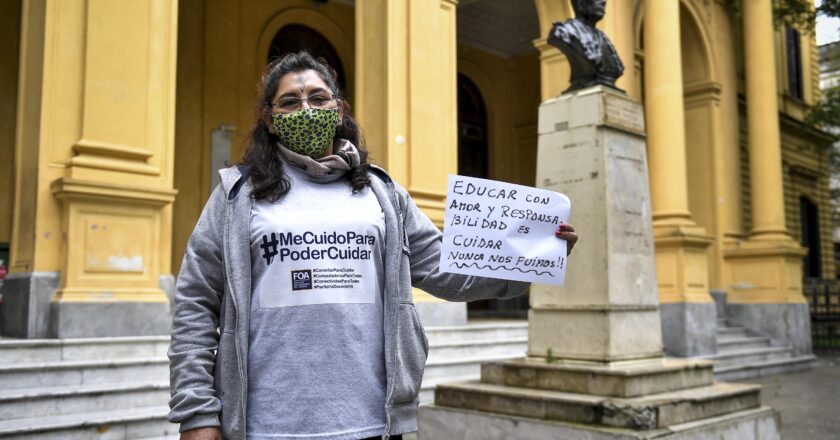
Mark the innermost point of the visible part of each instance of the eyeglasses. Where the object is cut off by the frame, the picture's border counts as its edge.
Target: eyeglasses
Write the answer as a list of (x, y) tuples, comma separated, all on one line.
[(292, 104)]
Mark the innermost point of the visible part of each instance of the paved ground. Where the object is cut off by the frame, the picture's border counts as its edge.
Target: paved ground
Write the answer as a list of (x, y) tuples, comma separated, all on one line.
[(809, 401)]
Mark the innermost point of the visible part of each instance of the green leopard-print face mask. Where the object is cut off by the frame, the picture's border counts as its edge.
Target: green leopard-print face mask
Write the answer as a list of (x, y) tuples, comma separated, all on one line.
[(308, 131)]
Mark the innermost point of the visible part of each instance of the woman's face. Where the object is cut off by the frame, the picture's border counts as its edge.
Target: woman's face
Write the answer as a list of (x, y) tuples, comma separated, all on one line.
[(307, 86)]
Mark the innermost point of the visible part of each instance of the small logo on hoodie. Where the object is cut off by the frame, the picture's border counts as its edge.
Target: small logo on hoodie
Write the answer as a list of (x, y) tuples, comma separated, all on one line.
[(301, 279)]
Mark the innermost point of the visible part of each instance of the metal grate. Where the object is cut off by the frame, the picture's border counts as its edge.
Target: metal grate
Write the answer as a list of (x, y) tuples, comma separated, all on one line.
[(824, 301)]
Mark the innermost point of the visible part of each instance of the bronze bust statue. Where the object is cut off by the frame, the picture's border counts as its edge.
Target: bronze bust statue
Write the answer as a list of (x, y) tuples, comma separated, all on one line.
[(591, 55)]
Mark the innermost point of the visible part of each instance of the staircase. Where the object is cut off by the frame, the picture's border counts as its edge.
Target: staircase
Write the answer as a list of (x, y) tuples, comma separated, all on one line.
[(118, 388), (115, 388), (744, 354), (456, 352)]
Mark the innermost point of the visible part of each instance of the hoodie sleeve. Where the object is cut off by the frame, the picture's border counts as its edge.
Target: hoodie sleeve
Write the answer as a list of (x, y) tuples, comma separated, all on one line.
[(424, 241), (195, 338)]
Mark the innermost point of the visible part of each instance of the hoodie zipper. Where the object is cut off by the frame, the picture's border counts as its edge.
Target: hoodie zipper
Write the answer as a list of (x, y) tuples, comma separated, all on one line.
[(242, 387), (400, 222)]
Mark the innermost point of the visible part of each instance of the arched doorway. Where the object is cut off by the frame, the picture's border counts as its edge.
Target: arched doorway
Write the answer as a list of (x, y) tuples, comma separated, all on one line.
[(499, 93), (296, 37), (473, 154), (472, 130)]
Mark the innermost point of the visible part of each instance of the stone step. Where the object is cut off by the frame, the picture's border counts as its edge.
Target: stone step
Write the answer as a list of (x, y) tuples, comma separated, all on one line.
[(637, 379), (54, 401), (450, 368), (427, 389), (748, 356), (76, 373), (501, 348), (732, 331), (765, 368), (137, 423), (731, 343), (437, 422), (485, 331), (13, 351), (647, 412)]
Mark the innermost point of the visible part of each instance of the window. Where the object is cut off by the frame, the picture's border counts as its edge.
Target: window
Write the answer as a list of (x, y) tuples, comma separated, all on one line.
[(794, 62)]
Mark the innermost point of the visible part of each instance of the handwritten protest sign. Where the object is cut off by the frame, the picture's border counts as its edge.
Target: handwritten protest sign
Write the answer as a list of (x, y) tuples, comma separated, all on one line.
[(502, 230)]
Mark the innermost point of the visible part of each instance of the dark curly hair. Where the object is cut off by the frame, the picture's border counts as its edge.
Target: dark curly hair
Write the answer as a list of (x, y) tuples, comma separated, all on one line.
[(261, 153)]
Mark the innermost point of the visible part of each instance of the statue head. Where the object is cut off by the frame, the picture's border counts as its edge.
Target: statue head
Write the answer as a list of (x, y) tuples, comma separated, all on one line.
[(589, 10)]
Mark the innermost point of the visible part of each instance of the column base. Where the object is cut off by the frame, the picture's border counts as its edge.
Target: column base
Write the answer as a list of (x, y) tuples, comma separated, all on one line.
[(108, 319), (689, 329), (786, 324), (26, 304), (764, 272), (682, 263)]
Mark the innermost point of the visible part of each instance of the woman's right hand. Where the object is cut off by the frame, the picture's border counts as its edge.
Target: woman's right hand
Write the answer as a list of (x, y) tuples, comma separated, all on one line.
[(212, 433)]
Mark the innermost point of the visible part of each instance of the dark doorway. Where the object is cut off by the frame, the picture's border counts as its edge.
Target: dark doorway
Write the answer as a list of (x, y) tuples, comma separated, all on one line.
[(473, 155), (809, 218), (472, 130), (295, 37)]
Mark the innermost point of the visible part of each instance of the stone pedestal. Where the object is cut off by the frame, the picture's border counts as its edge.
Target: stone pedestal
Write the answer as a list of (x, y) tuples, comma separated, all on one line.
[(592, 148), (595, 368)]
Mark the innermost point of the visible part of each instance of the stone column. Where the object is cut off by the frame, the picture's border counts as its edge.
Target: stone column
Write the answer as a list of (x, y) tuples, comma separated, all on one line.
[(764, 143), (688, 314), (765, 272), (664, 112), (92, 227), (408, 107)]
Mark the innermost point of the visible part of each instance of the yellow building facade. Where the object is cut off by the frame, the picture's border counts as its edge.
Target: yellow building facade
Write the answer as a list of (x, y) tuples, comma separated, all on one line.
[(114, 116)]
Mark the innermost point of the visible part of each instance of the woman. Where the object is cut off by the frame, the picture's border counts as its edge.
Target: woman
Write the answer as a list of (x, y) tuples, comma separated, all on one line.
[(304, 259)]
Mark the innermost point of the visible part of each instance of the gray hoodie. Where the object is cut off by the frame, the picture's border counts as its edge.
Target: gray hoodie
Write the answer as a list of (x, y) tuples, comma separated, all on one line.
[(209, 350)]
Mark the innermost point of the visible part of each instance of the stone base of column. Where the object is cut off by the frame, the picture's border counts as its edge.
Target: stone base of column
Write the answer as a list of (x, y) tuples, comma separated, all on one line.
[(682, 263), (689, 329), (764, 272), (108, 319), (786, 324), (689, 326), (646, 399), (765, 291), (26, 304)]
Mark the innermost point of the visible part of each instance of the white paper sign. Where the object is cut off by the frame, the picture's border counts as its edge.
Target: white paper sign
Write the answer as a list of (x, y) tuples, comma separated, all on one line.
[(502, 230)]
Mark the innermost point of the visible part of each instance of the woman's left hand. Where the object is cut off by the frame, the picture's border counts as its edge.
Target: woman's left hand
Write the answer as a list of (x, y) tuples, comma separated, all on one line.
[(567, 232)]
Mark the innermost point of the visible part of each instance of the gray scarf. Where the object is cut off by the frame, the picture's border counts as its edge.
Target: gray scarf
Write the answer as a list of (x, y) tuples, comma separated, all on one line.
[(344, 158)]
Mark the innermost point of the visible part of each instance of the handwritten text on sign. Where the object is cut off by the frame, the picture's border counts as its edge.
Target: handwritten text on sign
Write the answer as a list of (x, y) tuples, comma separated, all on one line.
[(502, 230)]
